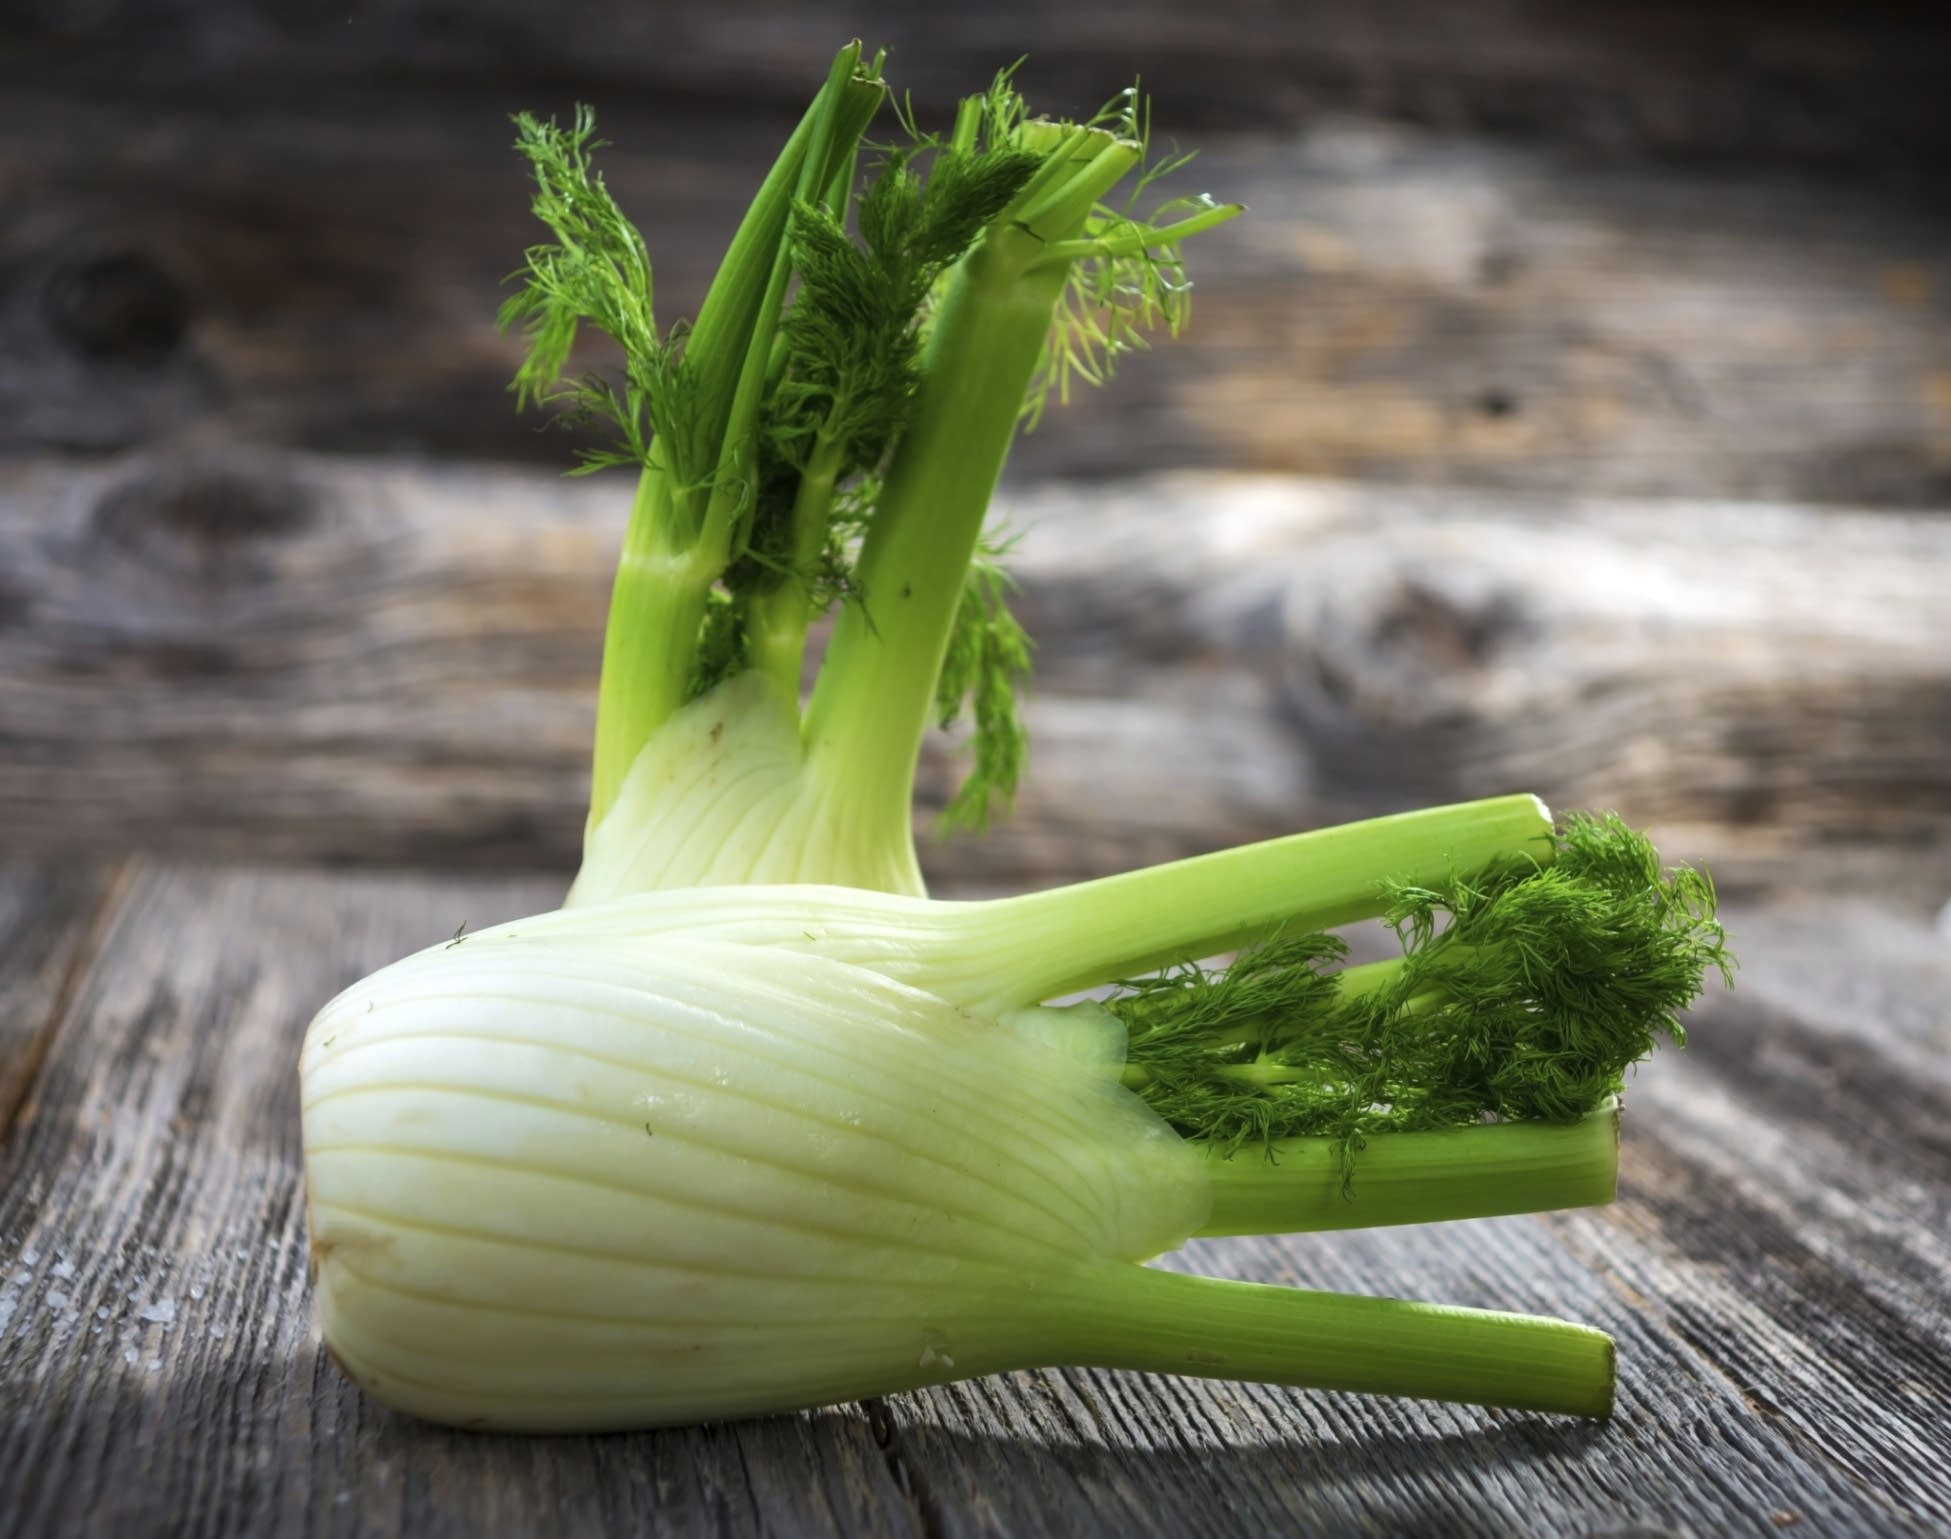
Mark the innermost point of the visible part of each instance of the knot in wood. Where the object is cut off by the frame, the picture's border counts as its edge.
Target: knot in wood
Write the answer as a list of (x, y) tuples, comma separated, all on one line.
[(212, 525), (1447, 629), (116, 305)]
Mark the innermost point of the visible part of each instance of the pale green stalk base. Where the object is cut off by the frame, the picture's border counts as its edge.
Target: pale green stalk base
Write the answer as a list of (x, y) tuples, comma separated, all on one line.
[(873, 699), (780, 619), (722, 796), (682, 815), (1416, 1178), (643, 678)]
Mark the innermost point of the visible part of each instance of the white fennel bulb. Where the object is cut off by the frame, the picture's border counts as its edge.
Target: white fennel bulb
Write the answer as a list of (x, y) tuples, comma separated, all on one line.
[(719, 1152), (556, 1183)]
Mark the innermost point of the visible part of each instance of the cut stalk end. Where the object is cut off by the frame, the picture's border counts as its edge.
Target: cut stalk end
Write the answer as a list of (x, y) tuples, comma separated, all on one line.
[(1203, 1327)]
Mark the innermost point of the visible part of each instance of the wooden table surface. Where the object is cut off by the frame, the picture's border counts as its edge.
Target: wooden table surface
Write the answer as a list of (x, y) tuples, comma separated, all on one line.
[(1777, 1270), (1583, 388)]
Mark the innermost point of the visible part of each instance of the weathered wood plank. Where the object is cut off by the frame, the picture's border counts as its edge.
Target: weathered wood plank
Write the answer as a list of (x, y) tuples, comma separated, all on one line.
[(1766, 684), (306, 658), (51, 921), (1403, 303), (1776, 1273), (1742, 79)]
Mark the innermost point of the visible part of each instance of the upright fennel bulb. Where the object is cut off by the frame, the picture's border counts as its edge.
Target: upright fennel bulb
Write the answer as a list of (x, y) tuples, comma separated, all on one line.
[(839, 447), (750, 1123)]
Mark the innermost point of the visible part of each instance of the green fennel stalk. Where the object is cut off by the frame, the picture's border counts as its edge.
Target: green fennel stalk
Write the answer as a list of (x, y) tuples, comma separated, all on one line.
[(830, 433)]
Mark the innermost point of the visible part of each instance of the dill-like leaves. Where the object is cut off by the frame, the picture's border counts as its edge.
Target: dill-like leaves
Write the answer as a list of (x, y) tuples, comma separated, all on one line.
[(1523, 992), (1127, 277), (988, 659), (847, 369), (595, 272)]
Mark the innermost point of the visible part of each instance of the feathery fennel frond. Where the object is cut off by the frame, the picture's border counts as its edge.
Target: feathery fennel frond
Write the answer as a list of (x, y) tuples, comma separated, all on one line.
[(987, 661), (1523, 992), (848, 366), (1127, 273), (595, 272), (852, 336)]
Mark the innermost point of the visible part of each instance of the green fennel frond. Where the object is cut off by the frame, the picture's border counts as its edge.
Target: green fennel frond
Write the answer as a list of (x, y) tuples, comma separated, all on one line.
[(1523, 992), (852, 337), (987, 661), (595, 272), (847, 367), (1127, 274)]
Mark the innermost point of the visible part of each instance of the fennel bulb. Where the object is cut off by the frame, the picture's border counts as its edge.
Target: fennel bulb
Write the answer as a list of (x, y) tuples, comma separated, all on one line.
[(622, 1167)]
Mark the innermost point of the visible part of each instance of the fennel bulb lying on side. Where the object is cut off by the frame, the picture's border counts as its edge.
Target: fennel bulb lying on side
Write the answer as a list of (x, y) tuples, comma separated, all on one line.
[(638, 1163), (559, 1183), (752, 1124)]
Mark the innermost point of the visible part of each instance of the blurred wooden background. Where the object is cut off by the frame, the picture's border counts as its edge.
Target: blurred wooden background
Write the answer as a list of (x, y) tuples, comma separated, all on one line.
[(1553, 260), (1572, 412)]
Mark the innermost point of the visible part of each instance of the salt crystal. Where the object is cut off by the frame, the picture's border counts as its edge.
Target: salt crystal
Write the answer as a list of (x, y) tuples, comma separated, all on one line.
[(162, 1312)]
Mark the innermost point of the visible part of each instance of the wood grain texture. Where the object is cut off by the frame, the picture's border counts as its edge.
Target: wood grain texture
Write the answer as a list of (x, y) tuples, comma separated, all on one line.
[(1764, 684), (1776, 1274), (51, 923), (292, 657), (211, 256), (1858, 85)]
